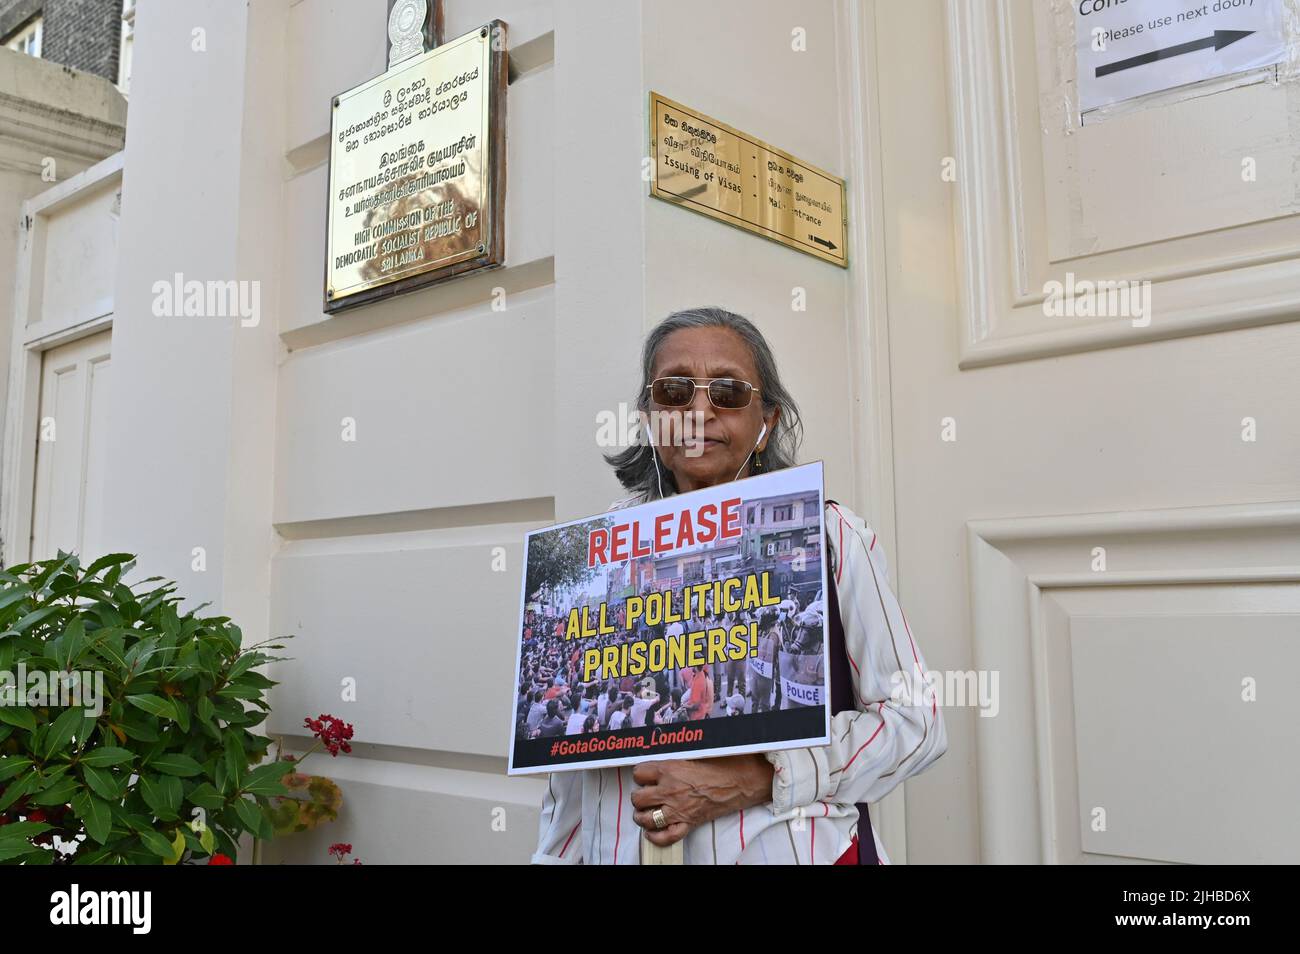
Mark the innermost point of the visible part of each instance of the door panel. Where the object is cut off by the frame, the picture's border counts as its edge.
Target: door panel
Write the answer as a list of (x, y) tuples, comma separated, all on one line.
[(67, 508), (1084, 506)]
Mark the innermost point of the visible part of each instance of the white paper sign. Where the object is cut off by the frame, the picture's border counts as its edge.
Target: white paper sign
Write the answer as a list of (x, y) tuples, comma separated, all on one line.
[(1128, 48)]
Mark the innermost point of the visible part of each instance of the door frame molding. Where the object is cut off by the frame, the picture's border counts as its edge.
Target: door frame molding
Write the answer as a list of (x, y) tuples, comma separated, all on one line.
[(28, 342), (1210, 292), (867, 326)]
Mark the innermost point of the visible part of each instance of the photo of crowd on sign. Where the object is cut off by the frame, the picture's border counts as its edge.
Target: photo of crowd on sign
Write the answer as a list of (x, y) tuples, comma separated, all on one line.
[(687, 612)]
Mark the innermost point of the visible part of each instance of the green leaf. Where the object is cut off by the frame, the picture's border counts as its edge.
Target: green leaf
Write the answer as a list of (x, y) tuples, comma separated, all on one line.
[(266, 779), (86, 730), (63, 729), (18, 849), (17, 789), (11, 765), (103, 856), (154, 705), (21, 831), (240, 691), (139, 653), (154, 796), (34, 617), (106, 756), (249, 814), (135, 821), (175, 763), (73, 642), (98, 819), (173, 792), (101, 783), (205, 796), (157, 843), (140, 731), (107, 560), (178, 848), (11, 596), (53, 772), (19, 716), (236, 761), (257, 680), (206, 839), (60, 793), (243, 664)]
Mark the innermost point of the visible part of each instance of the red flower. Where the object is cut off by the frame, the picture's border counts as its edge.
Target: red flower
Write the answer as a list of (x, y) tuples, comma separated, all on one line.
[(332, 731), (220, 859), (341, 849)]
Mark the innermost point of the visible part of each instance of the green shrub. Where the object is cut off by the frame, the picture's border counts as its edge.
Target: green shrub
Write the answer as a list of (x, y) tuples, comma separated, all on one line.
[(129, 735)]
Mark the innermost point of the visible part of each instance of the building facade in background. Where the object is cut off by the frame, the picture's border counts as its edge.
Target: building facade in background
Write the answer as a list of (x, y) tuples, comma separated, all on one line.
[(88, 35), (1103, 512)]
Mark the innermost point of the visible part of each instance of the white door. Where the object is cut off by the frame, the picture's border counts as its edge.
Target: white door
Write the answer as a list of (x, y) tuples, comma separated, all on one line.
[(1098, 510), (68, 495)]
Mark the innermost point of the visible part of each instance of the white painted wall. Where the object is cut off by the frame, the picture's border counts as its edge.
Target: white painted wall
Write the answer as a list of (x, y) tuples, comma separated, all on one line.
[(191, 436), (474, 425)]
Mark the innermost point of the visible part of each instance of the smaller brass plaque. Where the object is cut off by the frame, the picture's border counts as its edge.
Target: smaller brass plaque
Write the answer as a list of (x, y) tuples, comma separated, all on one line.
[(711, 168)]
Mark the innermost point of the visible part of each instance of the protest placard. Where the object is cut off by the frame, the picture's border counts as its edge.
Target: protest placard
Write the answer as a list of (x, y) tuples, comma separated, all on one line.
[(684, 627)]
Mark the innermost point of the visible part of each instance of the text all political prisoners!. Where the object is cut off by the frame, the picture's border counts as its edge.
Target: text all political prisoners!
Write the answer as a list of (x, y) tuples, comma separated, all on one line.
[(702, 647)]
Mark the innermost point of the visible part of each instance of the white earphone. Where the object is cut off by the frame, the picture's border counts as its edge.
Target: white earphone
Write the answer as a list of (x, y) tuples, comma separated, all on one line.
[(651, 441), (751, 453), (659, 477)]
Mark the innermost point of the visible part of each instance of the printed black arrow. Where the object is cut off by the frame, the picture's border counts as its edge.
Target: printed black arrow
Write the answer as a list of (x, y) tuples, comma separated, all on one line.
[(821, 241), (1220, 39)]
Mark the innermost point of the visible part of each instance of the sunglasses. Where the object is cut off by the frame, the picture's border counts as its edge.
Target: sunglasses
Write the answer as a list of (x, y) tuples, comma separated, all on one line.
[(728, 394)]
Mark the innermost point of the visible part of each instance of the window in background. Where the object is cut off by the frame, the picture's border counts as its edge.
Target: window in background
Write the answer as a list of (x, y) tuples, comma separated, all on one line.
[(128, 42), (27, 39)]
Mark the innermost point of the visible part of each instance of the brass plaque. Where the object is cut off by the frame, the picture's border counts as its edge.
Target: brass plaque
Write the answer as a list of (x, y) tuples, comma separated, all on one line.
[(417, 172), (707, 166)]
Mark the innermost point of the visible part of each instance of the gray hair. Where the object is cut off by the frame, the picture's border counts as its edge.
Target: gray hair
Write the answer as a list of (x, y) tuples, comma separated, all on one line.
[(635, 466)]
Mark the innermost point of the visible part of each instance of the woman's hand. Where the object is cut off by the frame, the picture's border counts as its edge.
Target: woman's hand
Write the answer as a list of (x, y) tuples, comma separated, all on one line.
[(694, 792)]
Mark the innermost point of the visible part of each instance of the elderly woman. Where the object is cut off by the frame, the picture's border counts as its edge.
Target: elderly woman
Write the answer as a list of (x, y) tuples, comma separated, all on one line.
[(795, 806)]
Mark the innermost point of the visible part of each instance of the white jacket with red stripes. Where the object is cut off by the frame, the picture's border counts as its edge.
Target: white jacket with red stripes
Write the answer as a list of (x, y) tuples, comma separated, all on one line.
[(812, 817)]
